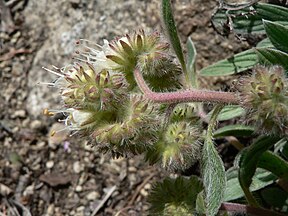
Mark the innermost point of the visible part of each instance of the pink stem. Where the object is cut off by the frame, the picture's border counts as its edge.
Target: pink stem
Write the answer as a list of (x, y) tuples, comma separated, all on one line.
[(184, 95)]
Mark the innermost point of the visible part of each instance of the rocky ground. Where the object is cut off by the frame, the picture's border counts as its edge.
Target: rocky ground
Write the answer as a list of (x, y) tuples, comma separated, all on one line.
[(62, 175)]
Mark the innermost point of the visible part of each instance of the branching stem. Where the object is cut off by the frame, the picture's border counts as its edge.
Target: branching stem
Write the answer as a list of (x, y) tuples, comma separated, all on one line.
[(184, 95)]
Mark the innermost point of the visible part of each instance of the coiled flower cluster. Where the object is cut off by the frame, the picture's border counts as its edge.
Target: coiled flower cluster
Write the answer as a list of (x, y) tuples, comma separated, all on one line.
[(265, 94), (102, 100)]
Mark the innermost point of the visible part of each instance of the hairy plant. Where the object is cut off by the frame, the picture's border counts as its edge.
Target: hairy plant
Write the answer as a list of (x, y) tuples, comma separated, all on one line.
[(139, 94)]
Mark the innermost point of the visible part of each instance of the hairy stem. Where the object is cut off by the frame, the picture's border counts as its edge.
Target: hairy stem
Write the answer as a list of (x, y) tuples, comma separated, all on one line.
[(184, 95)]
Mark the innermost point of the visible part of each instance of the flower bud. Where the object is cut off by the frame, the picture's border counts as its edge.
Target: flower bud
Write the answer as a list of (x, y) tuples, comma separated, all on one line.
[(149, 53), (265, 94), (86, 88), (178, 148), (133, 132)]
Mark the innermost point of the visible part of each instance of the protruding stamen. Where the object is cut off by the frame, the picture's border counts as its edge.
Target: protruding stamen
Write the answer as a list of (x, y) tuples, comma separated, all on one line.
[(53, 72)]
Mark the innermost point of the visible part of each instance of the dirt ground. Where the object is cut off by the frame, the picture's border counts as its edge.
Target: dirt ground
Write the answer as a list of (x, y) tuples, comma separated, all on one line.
[(62, 175)]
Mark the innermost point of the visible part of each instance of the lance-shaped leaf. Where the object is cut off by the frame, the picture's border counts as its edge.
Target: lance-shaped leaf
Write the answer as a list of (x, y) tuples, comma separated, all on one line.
[(277, 34), (273, 57), (275, 164), (170, 27), (233, 65), (237, 63), (261, 179), (229, 112), (276, 197), (265, 43), (248, 164), (249, 19), (234, 130), (212, 169)]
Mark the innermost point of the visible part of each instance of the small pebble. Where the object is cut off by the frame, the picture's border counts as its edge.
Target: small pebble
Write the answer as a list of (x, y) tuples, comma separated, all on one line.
[(80, 209), (93, 195), (36, 125), (19, 114), (50, 210), (78, 167), (49, 164), (143, 192), (41, 144), (29, 190), (132, 169), (78, 188), (148, 186)]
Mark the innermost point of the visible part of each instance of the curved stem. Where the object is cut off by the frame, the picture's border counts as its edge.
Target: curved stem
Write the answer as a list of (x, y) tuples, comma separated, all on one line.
[(184, 95)]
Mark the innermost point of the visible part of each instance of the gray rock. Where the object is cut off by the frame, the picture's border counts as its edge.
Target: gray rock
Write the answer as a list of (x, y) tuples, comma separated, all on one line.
[(92, 20)]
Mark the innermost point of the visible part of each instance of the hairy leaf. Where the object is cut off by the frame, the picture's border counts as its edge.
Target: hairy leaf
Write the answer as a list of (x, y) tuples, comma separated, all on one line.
[(170, 27), (213, 171)]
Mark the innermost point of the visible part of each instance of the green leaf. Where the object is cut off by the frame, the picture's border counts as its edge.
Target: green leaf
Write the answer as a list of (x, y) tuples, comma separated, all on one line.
[(248, 164), (229, 112), (275, 164), (251, 22), (264, 43), (261, 179), (234, 130), (212, 169), (280, 145), (276, 197), (191, 58), (272, 56), (284, 151), (200, 204), (171, 195), (233, 65), (171, 29), (278, 35), (250, 157)]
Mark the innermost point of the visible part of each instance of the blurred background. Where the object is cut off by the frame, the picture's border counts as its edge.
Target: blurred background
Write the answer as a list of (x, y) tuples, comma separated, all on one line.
[(62, 175)]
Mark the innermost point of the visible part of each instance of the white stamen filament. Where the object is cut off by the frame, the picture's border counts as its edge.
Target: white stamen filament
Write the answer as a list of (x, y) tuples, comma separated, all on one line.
[(53, 72)]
